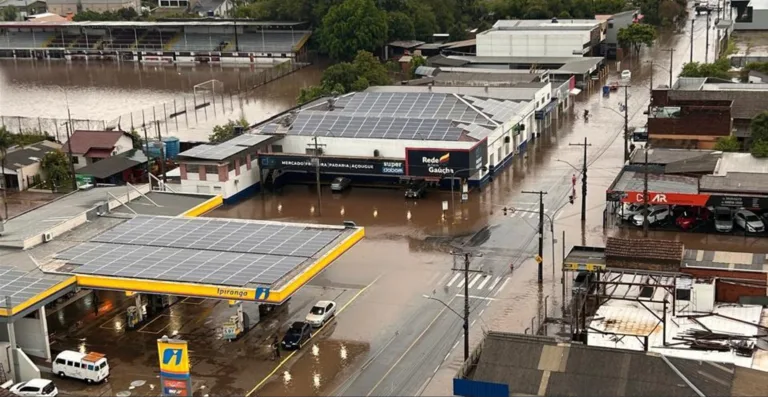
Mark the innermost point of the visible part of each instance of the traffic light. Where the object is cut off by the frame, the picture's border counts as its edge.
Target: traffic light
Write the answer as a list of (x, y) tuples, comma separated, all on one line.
[(570, 199), (505, 211)]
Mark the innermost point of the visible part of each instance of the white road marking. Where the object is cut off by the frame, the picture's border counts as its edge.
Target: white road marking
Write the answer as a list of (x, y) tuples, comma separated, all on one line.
[(481, 313), (558, 215), (461, 283), (474, 280), (436, 368), (453, 280), (442, 279), (514, 214), (531, 214), (496, 281), (486, 279), (446, 356), (485, 298), (473, 323), (455, 344), (504, 284)]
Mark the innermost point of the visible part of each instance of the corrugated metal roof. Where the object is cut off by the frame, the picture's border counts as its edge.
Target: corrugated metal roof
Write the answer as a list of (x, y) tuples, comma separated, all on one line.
[(736, 182)]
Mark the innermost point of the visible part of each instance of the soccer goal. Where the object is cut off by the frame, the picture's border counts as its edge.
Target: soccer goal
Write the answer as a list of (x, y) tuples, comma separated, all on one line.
[(209, 88)]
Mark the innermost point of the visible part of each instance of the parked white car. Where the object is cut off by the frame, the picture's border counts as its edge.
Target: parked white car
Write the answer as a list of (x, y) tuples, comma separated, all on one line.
[(630, 210), (656, 214), (35, 388), (626, 75), (748, 221), (320, 313)]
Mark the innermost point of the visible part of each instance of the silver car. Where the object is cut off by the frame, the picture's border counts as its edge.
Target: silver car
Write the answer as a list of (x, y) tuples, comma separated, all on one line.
[(723, 220), (748, 221)]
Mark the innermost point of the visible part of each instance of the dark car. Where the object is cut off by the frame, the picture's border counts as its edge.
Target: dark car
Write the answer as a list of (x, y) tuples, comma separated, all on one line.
[(340, 184), (297, 335), (416, 189)]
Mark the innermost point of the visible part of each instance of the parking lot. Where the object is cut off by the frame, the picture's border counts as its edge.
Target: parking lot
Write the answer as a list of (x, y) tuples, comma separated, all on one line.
[(720, 220)]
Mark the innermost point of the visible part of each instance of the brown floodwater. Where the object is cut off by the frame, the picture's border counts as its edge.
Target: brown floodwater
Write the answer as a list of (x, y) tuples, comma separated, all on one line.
[(110, 91)]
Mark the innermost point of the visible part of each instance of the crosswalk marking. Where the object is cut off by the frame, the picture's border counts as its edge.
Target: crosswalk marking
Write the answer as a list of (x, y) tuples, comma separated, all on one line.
[(453, 280), (461, 283), (485, 281), (495, 281), (474, 280)]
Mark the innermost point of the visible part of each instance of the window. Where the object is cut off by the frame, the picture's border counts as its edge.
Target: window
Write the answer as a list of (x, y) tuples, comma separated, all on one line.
[(610, 24), (311, 151), (75, 160), (490, 160), (232, 165), (70, 363), (77, 365), (61, 361), (211, 169), (90, 367), (498, 154), (277, 148), (104, 364), (217, 189)]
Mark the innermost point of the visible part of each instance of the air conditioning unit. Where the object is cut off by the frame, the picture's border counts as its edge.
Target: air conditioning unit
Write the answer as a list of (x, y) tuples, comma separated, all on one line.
[(47, 236)]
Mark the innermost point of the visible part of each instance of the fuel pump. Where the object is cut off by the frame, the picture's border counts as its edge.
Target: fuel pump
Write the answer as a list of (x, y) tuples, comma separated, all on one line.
[(237, 324)]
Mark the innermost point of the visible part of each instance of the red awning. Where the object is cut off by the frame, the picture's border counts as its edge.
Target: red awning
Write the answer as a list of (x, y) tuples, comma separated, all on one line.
[(98, 153)]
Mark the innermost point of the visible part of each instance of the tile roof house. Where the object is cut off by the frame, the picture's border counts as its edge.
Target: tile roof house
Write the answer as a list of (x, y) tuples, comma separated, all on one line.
[(22, 164), (89, 147), (540, 365), (645, 254)]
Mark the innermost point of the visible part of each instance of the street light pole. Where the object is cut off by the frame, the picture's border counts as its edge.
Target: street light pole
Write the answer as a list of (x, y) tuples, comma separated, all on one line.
[(69, 143), (692, 23), (671, 55), (583, 179), (626, 123), (317, 174), (645, 194), (541, 231), (466, 306)]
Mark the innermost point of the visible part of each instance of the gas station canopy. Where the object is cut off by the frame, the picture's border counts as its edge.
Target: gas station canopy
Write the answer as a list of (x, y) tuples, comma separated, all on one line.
[(22, 289), (208, 257)]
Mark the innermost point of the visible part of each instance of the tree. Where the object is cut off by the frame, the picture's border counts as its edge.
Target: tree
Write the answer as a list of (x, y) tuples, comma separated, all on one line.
[(226, 132), (56, 167), (636, 35), (137, 140), (728, 144), (368, 66), (400, 26), (761, 67), (564, 14), (718, 69), (536, 12), (759, 127), (352, 26), (344, 77), (759, 149), (30, 137), (416, 61), (424, 20), (6, 141), (10, 13)]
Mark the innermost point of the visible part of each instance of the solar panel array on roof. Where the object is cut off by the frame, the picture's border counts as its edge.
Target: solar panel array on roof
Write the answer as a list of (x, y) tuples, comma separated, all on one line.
[(338, 125), (500, 111), (221, 235), (411, 105), (225, 149), (176, 264), (21, 286)]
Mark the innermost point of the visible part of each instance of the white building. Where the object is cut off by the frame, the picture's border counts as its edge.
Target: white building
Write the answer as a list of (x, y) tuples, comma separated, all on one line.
[(22, 164), (541, 38)]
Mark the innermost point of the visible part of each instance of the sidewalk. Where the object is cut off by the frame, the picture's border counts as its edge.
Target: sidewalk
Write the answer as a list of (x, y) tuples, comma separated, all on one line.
[(496, 315)]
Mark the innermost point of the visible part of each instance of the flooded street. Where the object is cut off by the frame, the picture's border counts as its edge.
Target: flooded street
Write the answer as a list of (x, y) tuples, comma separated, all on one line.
[(111, 91), (400, 292)]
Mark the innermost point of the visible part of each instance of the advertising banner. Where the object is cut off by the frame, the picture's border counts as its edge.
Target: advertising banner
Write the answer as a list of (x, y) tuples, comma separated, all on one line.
[(696, 200), (173, 355), (334, 165), (442, 163)]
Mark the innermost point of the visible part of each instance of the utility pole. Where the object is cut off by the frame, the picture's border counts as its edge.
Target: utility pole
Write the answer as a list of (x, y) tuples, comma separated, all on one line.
[(583, 179), (466, 256), (692, 23), (541, 231), (317, 173), (162, 152), (706, 51), (626, 123), (645, 193), (671, 54), (71, 157), (146, 150), (651, 86)]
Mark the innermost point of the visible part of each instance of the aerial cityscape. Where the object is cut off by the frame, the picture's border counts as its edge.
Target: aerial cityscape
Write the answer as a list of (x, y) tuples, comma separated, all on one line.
[(479, 198)]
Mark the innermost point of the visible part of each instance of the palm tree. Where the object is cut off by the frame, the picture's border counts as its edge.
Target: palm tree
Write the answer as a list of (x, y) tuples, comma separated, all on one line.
[(6, 141)]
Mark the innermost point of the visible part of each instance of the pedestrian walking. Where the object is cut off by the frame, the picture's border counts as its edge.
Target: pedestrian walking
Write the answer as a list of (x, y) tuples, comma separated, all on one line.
[(276, 347), (95, 303)]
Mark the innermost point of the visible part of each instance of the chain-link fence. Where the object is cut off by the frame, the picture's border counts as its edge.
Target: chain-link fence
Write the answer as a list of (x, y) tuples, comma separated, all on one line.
[(171, 117)]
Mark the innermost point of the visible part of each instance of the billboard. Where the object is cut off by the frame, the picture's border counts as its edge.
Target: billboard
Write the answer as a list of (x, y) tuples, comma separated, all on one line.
[(443, 163), (173, 356), (691, 199), (334, 165)]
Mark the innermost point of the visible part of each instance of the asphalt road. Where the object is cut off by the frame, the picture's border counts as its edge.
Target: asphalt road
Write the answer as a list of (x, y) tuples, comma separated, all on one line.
[(402, 366)]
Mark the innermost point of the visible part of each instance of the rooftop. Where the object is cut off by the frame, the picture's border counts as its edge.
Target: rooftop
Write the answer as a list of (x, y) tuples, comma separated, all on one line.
[(748, 99), (29, 154), (226, 149), (644, 249), (115, 164), (147, 24), (404, 112), (157, 250), (633, 181), (548, 24), (740, 162), (544, 366), (725, 260), (84, 141), (735, 182), (561, 65)]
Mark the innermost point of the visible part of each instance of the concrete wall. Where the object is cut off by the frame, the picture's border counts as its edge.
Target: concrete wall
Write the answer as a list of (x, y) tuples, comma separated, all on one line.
[(99, 6), (25, 175), (27, 369), (233, 184), (759, 21), (532, 43), (30, 338)]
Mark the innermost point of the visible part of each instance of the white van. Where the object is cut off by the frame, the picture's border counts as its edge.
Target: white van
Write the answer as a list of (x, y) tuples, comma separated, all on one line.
[(91, 367)]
